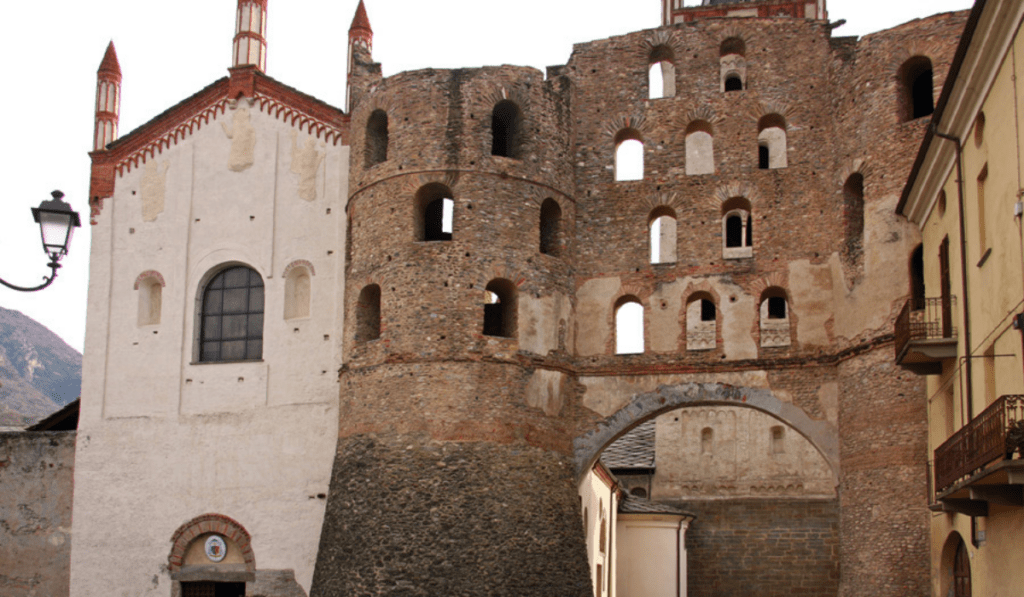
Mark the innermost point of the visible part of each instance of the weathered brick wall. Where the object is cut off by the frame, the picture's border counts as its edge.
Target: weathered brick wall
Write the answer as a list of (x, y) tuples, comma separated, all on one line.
[(764, 547), (408, 516), (36, 470)]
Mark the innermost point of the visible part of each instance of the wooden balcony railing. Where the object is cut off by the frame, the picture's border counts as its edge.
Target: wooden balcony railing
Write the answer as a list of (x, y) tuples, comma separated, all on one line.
[(928, 319), (993, 435)]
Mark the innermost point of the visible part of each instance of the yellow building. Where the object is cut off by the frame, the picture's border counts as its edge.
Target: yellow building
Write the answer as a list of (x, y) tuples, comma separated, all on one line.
[(962, 324)]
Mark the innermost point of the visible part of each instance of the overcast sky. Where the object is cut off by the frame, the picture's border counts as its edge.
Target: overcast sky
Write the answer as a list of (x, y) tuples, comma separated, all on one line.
[(169, 50)]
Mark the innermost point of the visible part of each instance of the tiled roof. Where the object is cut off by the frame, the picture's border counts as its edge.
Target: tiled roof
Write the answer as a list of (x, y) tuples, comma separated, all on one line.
[(635, 450), (631, 504)]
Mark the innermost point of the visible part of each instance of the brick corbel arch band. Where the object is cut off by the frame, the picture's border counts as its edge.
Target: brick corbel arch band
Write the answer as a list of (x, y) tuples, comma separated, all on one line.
[(643, 407), (210, 523)]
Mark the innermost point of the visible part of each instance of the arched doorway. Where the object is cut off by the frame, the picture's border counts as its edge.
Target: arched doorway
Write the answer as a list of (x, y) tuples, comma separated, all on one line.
[(211, 556)]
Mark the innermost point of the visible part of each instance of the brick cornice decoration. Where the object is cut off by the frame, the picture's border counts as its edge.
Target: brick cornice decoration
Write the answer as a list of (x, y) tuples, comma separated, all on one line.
[(150, 273), (210, 523)]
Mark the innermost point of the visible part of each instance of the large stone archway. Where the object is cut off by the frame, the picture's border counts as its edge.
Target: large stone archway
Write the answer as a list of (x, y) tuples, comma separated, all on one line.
[(642, 407)]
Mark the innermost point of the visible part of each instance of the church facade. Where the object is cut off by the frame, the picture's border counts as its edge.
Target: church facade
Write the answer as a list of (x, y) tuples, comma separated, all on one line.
[(376, 350)]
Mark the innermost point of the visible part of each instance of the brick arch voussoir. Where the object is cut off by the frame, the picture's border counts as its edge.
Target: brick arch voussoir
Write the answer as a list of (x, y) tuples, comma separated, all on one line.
[(658, 38), (210, 523), (588, 446)]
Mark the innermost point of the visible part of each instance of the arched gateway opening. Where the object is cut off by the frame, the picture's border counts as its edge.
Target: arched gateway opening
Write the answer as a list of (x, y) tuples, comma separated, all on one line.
[(698, 477)]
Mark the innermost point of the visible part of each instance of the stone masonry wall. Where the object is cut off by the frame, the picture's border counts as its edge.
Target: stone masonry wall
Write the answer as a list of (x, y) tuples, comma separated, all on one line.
[(35, 513), (407, 516), (769, 548)]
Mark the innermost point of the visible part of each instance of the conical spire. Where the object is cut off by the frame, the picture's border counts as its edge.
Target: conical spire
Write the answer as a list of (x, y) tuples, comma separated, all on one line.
[(360, 22), (109, 66), (108, 99)]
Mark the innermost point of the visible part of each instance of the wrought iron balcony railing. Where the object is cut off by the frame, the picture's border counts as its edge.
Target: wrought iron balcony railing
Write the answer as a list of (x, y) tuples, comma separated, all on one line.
[(995, 434), (924, 332)]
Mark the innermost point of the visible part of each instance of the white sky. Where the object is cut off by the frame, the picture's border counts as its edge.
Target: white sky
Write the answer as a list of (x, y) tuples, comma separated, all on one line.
[(170, 50)]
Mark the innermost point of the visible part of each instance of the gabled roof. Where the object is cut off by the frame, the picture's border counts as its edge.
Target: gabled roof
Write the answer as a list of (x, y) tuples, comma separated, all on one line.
[(65, 419), (635, 450)]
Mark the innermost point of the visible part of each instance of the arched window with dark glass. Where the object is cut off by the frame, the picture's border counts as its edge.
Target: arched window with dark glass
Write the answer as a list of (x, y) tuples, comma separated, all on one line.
[(733, 64), (506, 130), (231, 316), (737, 229), (775, 318)]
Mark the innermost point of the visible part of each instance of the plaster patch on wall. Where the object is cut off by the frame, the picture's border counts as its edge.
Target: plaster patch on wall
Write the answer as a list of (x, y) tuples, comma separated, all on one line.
[(594, 302), (154, 187), (545, 391), (810, 289), (243, 141), (828, 396), (306, 162)]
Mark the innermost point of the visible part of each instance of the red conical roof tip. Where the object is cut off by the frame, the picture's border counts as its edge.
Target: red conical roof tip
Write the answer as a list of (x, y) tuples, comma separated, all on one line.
[(360, 21), (110, 64)]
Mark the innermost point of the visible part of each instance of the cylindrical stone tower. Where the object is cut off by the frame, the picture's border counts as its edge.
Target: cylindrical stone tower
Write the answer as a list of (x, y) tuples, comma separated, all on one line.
[(453, 473)]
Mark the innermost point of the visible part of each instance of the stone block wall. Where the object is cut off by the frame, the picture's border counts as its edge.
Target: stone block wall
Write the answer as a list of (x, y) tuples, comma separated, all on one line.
[(36, 470)]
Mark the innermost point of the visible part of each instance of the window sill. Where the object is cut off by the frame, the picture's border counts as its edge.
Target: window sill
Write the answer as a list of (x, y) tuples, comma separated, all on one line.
[(226, 362), (737, 252)]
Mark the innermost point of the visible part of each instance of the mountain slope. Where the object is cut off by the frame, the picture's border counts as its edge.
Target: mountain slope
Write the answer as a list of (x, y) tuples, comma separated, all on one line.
[(39, 372)]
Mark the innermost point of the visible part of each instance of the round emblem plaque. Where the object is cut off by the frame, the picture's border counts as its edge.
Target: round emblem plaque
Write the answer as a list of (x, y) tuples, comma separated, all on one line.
[(216, 549)]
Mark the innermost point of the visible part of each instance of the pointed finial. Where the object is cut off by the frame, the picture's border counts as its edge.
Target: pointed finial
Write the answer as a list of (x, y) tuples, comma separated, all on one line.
[(109, 65), (361, 22)]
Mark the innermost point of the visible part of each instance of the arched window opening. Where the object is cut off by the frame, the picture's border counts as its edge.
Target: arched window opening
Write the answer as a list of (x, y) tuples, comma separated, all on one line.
[(150, 301), (500, 309), (916, 88), (550, 228), (917, 279), (775, 323), (955, 574), (733, 64), (771, 142), (296, 293), (701, 324), (778, 440), (700, 150), (435, 207), (707, 440), (737, 229), (629, 326), (376, 150), (368, 314), (639, 492), (853, 205), (662, 224), (602, 544), (629, 155), (231, 316), (662, 73), (979, 130), (506, 130)]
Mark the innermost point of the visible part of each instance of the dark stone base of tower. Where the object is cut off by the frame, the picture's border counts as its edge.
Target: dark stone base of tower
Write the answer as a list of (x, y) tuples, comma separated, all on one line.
[(408, 516)]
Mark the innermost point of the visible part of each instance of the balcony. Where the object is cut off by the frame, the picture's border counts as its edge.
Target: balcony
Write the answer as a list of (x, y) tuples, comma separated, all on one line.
[(925, 335), (980, 464)]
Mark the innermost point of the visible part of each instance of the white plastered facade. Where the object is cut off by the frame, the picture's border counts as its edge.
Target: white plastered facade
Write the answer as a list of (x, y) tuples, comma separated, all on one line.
[(252, 440)]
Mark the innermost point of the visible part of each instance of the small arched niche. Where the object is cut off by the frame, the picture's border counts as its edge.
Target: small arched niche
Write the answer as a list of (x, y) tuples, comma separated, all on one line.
[(150, 287), (771, 142), (376, 150), (662, 225), (368, 314), (629, 155), (500, 309), (737, 229), (629, 325), (507, 130), (661, 78), (701, 322), (775, 318), (434, 212), (853, 208), (915, 89), (297, 290), (733, 64), (700, 149), (550, 228)]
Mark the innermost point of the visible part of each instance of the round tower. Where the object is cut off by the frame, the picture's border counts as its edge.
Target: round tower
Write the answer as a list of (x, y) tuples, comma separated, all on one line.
[(453, 471), (108, 99)]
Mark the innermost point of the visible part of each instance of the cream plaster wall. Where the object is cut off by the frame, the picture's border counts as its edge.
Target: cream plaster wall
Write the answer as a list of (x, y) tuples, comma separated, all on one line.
[(253, 441), (600, 506), (651, 555)]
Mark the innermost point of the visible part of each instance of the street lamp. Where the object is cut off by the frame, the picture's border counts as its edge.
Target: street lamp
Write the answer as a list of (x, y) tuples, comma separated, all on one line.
[(57, 222)]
